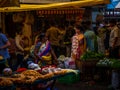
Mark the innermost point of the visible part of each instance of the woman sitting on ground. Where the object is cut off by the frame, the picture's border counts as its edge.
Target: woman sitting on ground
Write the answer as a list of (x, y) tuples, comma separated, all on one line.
[(44, 52)]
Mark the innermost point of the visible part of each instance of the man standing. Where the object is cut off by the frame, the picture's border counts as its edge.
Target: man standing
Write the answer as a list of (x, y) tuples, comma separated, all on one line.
[(114, 44), (53, 36), (114, 41), (89, 36), (4, 44)]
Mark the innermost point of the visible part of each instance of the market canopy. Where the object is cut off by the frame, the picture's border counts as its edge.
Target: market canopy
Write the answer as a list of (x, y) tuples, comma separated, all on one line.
[(73, 4), (114, 4), (118, 5), (9, 3)]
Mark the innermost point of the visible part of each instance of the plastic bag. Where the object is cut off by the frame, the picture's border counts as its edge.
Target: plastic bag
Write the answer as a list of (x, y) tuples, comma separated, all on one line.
[(69, 63)]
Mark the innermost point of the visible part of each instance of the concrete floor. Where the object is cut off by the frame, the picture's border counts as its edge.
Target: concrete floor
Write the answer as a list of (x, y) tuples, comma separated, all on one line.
[(88, 85)]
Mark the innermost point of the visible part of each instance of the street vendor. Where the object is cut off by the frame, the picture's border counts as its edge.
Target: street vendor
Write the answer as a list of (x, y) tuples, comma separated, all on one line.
[(43, 51), (78, 45)]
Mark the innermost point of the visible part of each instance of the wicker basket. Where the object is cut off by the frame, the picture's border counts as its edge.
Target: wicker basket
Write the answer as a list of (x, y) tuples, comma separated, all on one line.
[(86, 63), (87, 68), (89, 63)]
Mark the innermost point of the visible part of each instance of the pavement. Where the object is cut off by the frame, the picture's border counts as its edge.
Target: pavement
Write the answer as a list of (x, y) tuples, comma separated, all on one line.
[(82, 85)]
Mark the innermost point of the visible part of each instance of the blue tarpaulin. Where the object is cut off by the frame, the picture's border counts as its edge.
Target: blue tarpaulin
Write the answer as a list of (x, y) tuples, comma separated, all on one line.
[(118, 5), (113, 4)]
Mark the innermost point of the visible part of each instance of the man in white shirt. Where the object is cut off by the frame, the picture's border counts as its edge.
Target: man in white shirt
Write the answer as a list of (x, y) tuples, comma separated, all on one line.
[(114, 41), (114, 44)]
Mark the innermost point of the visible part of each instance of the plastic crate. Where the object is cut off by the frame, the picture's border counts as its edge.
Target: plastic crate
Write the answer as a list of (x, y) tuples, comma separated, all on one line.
[(69, 79)]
